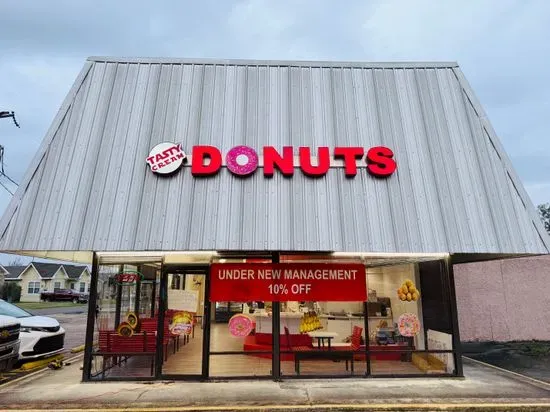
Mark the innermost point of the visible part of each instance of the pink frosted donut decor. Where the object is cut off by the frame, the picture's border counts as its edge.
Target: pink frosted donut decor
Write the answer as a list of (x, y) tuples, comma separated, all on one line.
[(240, 325), (408, 324), (235, 167)]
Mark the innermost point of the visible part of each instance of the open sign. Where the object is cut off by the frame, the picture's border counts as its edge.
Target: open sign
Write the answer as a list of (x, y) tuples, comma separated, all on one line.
[(128, 278)]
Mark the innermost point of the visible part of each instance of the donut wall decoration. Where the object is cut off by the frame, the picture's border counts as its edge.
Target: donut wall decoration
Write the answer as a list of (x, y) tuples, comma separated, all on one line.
[(240, 325), (408, 292), (408, 324)]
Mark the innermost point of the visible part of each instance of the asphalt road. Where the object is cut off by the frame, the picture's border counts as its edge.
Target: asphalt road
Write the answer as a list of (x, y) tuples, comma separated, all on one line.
[(72, 319), (63, 310)]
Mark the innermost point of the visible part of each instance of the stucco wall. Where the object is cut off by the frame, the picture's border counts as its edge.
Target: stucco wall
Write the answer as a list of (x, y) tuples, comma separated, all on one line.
[(504, 300)]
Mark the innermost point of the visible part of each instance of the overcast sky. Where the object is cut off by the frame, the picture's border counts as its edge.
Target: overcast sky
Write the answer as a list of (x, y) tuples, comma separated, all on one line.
[(502, 46)]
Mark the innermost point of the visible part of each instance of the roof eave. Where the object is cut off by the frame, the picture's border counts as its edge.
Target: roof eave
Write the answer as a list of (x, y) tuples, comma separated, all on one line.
[(284, 63)]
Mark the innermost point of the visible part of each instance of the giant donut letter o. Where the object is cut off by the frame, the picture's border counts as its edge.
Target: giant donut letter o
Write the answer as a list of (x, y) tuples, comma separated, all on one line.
[(236, 163)]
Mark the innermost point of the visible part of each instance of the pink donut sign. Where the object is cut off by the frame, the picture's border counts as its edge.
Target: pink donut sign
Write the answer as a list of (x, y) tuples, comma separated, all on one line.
[(235, 160), (240, 325)]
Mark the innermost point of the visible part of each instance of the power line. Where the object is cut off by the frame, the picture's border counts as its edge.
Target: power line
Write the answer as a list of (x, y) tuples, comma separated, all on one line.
[(7, 190), (10, 179), (5, 115)]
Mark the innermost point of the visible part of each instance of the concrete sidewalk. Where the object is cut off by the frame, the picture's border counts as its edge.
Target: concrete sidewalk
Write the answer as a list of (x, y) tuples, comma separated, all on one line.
[(483, 388)]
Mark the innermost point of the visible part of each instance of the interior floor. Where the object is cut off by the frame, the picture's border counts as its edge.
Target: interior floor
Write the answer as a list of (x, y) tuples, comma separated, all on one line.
[(188, 361)]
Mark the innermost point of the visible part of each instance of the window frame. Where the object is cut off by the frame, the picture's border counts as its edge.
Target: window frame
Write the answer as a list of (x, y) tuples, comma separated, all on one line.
[(34, 290)]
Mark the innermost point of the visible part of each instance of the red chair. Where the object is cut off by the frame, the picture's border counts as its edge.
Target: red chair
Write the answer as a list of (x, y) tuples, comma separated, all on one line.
[(355, 345), (295, 348), (150, 325)]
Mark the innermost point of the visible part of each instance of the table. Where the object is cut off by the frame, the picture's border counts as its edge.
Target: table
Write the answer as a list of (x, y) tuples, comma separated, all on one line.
[(322, 336)]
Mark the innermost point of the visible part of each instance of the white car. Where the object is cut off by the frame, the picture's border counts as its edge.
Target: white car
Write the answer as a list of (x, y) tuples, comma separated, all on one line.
[(40, 336)]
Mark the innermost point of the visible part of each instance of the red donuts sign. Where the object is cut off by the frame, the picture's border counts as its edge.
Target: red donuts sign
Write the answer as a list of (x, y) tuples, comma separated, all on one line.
[(166, 158)]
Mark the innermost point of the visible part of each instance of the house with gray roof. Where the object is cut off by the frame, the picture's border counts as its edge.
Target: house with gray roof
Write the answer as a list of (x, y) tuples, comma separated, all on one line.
[(37, 277)]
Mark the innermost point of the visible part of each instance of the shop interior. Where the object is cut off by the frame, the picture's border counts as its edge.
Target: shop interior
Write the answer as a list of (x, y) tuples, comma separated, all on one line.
[(403, 329)]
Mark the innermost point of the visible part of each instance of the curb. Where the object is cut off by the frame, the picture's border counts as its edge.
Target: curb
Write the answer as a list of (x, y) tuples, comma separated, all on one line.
[(532, 381), (35, 374), (78, 349), (471, 407), (30, 366)]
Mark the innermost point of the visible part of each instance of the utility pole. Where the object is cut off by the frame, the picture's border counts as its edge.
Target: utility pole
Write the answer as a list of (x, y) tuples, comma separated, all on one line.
[(6, 115)]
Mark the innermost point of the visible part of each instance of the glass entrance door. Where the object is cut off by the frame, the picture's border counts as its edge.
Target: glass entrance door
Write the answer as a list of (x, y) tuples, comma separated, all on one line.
[(185, 323)]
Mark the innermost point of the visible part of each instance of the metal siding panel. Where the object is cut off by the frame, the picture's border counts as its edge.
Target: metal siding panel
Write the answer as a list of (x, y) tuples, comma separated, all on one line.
[(163, 208), (441, 199), (504, 202), (49, 166), (85, 164), (418, 211), (370, 121), (26, 208), (152, 202), (196, 82), (436, 201), (57, 169), (455, 165), (476, 203), (143, 182), (124, 208), (97, 210), (491, 224), (64, 192), (388, 200)]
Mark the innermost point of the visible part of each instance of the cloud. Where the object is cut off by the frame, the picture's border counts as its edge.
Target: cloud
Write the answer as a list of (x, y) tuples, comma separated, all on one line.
[(502, 48)]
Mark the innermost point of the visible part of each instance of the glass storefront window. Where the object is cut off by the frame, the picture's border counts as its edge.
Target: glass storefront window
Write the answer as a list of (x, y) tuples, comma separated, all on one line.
[(125, 333), (323, 339), (402, 328)]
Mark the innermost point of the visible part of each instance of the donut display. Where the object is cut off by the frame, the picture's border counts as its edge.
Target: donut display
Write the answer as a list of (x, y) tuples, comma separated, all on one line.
[(182, 324), (408, 324), (408, 292), (124, 329), (240, 325), (242, 170), (132, 320)]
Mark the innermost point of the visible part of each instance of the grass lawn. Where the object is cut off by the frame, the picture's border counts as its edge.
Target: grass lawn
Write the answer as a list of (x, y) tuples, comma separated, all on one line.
[(46, 305)]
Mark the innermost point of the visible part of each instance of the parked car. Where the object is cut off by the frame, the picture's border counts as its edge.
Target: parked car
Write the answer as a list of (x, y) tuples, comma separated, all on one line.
[(9, 342), (64, 294), (39, 336)]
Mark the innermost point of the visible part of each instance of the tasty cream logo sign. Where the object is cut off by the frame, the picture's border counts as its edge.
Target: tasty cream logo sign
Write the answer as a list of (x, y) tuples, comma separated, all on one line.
[(166, 158)]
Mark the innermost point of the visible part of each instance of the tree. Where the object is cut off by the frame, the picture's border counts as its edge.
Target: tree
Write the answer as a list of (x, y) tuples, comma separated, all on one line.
[(11, 292), (16, 262), (544, 211)]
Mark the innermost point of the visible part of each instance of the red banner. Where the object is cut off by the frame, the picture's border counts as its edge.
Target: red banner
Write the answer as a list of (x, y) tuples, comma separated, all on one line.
[(281, 282)]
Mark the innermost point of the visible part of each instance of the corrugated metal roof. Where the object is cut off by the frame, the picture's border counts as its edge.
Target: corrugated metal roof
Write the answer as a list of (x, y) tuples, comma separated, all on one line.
[(89, 187)]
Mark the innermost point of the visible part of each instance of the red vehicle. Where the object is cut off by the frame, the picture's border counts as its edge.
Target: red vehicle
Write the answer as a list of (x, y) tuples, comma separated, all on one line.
[(64, 294)]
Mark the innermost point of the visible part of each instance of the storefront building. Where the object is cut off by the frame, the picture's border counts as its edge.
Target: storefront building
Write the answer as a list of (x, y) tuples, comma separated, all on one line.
[(261, 219)]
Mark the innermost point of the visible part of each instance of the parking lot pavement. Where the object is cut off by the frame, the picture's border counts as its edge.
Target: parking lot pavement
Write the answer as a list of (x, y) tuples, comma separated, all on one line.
[(75, 328), (79, 309)]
